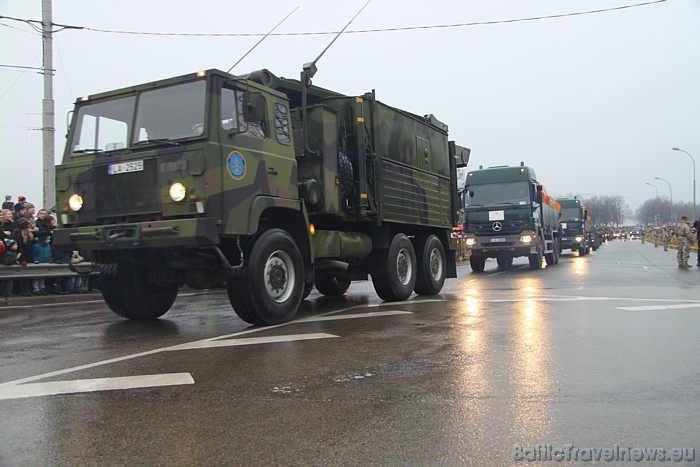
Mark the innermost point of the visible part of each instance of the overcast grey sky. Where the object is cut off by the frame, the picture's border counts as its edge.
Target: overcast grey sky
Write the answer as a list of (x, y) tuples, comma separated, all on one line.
[(594, 102)]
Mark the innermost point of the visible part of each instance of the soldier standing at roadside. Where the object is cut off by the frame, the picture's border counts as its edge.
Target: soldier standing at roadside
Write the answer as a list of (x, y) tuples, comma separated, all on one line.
[(685, 239)]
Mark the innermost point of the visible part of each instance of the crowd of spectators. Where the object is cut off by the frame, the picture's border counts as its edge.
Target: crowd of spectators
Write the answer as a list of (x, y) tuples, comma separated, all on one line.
[(25, 238)]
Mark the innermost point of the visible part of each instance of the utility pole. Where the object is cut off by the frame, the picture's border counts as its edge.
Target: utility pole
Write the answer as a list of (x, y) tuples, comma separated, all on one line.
[(48, 129)]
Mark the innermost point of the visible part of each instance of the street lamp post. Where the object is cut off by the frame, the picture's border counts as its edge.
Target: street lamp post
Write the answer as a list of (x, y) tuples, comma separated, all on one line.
[(670, 190), (692, 159)]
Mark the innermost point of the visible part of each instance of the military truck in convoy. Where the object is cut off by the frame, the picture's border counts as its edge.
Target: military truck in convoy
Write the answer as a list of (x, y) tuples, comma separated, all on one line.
[(574, 226), (508, 214), (263, 184)]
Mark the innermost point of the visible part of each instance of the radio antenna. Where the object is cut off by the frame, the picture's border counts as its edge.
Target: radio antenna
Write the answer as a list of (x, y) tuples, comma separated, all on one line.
[(310, 68), (262, 39), (308, 72)]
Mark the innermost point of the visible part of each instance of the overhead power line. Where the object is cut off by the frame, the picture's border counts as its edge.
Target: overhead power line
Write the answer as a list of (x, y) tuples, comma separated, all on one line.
[(22, 67), (62, 27)]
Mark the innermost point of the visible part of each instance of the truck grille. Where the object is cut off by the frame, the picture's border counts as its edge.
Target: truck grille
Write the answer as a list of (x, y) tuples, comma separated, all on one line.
[(130, 193), (507, 228)]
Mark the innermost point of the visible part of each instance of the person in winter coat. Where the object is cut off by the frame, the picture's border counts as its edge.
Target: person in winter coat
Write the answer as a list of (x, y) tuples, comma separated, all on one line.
[(8, 204), (42, 254), (25, 245), (6, 224), (9, 258)]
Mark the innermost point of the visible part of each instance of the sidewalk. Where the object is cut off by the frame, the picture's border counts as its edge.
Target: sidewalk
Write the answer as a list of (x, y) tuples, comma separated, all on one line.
[(19, 301)]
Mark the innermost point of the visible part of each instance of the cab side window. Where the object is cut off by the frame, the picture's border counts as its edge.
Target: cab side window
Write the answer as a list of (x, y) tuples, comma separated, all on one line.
[(229, 110), (255, 128), (282, 124)]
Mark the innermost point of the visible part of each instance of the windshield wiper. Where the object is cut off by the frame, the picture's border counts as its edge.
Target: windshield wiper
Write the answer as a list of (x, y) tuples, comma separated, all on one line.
[(157, 140), (83, 151)]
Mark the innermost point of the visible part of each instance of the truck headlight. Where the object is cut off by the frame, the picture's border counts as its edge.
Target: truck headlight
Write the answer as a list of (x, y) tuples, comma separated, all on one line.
[(75, 202), (470, 241), (526, 239), (177, 191), (578, 239)]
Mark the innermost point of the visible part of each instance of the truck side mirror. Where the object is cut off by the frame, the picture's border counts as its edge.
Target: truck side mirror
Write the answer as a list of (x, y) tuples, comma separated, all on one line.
[(253, 107), (538, 194)]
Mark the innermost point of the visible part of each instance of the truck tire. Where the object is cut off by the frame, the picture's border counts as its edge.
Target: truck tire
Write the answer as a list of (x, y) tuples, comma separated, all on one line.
[(504, 262), (553, 257), (394, 270), (582, 250), (535, 259), (110, 291), (431, 266), (332, 285), (129, 294), (477, 262), (308, 287), (270, 286)]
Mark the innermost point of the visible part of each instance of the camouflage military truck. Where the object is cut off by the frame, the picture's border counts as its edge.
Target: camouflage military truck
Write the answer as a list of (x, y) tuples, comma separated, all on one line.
[(508, 214), (575, 227), (264, 184)]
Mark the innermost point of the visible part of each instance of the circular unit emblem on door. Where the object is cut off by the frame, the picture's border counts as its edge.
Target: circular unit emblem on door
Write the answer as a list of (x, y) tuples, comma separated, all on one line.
[(497, 226), (236, 165)]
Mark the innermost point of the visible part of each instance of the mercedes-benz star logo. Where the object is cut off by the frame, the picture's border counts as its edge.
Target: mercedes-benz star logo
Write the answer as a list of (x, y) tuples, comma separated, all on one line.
[(497, 226)]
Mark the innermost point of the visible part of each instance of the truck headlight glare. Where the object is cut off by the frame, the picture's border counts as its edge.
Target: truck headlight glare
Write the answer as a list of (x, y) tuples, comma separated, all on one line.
[(177, 191), (75, 202), (527, 239), (578, 239), (471, 241)]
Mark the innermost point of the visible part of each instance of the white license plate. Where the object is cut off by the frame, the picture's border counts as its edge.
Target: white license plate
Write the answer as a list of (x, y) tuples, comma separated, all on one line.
[(498, 240), (124, 167)]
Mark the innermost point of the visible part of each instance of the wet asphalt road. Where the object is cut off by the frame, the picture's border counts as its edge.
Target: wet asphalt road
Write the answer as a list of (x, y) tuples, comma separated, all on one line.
[(598, 351)]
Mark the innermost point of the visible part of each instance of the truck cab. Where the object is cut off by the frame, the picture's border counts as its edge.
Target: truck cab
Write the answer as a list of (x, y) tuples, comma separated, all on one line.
[(508, 214), (574, 225)]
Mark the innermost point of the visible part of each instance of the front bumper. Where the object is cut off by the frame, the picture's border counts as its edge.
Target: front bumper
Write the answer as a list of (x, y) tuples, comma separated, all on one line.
[(170, 233), (492, 247), (569, 242)]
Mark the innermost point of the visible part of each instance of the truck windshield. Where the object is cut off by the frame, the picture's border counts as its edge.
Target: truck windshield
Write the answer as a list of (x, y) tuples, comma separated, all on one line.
[(171, 113), (161, 115), (571, 214), (103, 126), (516, 193)]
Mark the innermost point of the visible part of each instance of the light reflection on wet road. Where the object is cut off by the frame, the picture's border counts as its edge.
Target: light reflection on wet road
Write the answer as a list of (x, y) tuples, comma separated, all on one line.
[(503, 357)]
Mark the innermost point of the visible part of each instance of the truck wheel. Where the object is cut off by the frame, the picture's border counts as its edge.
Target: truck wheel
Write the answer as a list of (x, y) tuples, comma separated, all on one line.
[(504, 262), (477, 263), (536, 258), (331, 285), (394, 270), (110, 291), (269, 289), (582, 250), (129, 294), (431, 266), (553, 257), (308, 287)]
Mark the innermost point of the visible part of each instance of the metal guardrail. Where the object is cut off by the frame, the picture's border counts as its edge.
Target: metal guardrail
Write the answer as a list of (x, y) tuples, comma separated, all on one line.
[(31, 271)]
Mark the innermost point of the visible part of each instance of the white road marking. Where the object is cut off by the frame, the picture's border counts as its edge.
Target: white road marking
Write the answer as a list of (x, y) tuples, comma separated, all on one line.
[(196, 344), (371, 314), (52, 388), (249, 341), (679, 306)]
